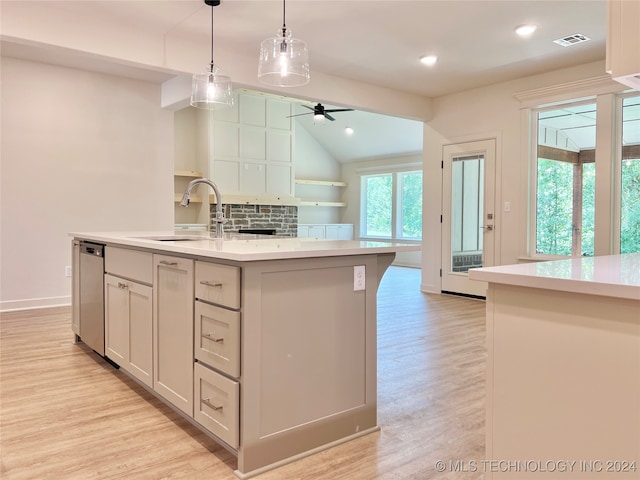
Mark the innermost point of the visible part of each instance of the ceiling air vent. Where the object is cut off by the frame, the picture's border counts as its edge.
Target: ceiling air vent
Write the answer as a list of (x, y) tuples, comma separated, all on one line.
[(572, 40)]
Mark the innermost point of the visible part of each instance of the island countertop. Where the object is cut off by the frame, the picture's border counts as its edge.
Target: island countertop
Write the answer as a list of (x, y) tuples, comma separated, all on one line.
[(607, 275), (243, 247)]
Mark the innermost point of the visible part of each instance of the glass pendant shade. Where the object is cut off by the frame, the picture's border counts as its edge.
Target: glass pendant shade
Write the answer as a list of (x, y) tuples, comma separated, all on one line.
[(284, 61), (211, 91)]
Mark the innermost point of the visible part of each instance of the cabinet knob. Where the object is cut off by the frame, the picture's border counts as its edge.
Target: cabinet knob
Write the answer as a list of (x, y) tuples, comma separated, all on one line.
[(211, 284)]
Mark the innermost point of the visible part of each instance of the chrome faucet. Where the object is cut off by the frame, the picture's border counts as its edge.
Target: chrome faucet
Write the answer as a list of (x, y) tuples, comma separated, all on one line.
[(220, 220)]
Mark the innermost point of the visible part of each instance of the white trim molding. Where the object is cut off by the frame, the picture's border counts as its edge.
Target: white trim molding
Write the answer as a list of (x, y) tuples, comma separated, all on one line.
[(574, 91)]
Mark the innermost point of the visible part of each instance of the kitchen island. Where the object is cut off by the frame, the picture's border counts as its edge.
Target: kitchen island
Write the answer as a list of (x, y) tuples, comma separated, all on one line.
[(267, 344), (563, 369)]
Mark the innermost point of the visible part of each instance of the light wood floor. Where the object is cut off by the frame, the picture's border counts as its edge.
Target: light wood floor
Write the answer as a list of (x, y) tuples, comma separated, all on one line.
[(67, 414)]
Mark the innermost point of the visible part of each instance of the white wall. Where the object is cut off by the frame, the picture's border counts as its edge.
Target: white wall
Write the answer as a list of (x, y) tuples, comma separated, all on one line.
[(80, 151), (489, 112), (313, 162)]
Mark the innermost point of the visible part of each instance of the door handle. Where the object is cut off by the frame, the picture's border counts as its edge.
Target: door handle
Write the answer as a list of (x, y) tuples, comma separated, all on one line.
[(488, 228)]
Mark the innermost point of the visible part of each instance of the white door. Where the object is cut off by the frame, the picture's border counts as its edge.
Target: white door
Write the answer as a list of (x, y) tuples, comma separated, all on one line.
[(468, 176)]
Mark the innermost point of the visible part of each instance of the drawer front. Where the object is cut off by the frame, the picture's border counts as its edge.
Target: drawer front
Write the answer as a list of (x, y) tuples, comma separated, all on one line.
[(217, 338), (217, 404), (131, 264), (219, 284)]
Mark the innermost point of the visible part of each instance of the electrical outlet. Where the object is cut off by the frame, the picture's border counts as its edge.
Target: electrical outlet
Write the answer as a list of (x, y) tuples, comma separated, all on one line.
[(359, 274), (67, 271)]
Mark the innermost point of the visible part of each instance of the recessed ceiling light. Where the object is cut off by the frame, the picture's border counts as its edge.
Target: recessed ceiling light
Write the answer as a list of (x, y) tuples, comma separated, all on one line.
[(429, 59), (525, 30), (348, 131)]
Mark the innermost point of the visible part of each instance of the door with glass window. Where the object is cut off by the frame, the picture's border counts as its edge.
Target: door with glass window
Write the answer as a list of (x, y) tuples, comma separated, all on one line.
[(468, 215)]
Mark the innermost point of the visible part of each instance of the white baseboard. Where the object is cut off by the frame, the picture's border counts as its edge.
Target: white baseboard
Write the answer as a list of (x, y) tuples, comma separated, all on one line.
[(28, 304)]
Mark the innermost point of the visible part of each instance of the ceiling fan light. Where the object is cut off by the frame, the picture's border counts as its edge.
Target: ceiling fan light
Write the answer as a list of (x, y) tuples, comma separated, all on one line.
[(284, 61), (319, 118), (211, 91)]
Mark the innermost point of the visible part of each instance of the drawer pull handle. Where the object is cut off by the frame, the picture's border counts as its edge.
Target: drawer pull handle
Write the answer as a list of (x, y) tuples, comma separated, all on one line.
[(208, 403), (211, 284), (168, 264), (209, 337), (124, 286)]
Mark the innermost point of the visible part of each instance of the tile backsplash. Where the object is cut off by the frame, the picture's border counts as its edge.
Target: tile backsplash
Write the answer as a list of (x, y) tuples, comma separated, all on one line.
[(281, 218)]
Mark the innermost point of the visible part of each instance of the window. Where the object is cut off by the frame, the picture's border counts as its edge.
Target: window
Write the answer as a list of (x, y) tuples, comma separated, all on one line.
[(565, 180), (391, 205), (630, 176), (566, 217)]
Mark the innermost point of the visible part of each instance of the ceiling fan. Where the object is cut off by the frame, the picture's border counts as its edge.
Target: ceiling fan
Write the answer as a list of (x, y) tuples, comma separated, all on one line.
[(319, 112)]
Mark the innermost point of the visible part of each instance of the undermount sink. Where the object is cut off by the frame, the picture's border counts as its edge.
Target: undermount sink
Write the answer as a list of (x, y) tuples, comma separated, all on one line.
[(175, 238)]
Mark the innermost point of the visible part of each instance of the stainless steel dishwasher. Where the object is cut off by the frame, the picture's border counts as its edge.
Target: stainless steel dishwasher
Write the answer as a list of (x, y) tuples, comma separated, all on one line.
[(91, 293)]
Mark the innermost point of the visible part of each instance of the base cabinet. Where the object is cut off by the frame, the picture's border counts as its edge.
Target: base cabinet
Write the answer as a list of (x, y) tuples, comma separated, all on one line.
[(173, 330), (128, 326)]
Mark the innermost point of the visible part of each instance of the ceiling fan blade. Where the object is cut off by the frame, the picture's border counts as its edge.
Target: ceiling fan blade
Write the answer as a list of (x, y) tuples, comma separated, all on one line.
[(326, 115), (340, 110), (298, 114), (307, 106)]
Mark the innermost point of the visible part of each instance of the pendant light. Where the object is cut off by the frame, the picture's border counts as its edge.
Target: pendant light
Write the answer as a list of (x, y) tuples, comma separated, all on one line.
[(284, 60), (210, 90)]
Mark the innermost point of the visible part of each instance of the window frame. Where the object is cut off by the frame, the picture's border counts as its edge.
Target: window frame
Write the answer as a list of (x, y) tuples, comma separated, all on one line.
[(608, 156), (396, 198)]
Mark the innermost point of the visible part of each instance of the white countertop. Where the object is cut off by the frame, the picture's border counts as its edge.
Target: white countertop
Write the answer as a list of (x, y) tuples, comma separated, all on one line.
[(243, 247), (608, 275)]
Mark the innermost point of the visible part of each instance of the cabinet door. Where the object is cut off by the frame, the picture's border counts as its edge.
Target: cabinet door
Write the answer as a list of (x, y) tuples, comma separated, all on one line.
[(316, 231), (173, 332), (141, 332), (116, 320), (128, 326), (331, 232), (345, 232)]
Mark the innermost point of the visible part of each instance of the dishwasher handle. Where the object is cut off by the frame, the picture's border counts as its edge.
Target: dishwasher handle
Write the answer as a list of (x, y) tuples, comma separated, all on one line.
[(95, 249)]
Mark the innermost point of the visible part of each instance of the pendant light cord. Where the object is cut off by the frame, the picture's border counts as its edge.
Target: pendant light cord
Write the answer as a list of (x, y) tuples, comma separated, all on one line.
[(211, 38), (284, 16)]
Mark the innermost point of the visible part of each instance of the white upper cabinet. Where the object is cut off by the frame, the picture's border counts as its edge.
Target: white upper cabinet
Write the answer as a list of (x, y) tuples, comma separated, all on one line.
[(253, 147)]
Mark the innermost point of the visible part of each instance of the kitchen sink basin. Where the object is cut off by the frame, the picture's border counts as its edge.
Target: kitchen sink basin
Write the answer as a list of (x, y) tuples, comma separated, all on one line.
[(175, 238)]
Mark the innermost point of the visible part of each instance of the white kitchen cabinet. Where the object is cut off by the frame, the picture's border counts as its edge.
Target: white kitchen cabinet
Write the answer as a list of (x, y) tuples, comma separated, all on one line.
[(128, 326), (173, 330), (331, 231), (253, 149)]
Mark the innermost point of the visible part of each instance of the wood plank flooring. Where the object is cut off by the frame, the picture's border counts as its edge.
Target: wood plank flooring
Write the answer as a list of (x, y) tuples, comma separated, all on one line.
[(66, 414)]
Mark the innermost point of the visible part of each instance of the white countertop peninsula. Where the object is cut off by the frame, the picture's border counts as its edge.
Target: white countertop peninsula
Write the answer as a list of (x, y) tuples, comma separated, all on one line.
[(609, 275), (267, 344), (563, 368)]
